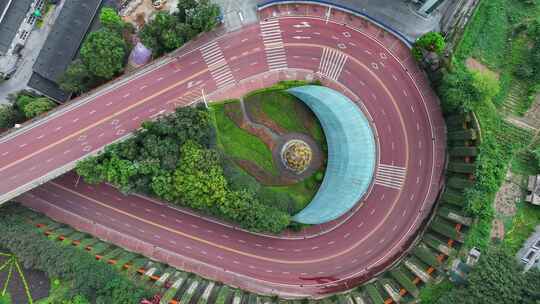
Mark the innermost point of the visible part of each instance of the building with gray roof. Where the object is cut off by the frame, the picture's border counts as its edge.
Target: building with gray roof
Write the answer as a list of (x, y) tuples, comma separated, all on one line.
[(529, 254), (62, 46)]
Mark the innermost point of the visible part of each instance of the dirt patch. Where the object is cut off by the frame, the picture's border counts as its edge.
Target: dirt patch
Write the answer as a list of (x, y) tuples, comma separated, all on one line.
[(476, 65), (505, 202), (139, 12), (255, 112), (38, 283), (497, 230), (507, 197), (306, 116)]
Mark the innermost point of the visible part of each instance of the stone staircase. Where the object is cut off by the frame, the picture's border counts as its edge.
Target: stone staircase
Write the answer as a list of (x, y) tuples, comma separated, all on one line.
[(512, 101)]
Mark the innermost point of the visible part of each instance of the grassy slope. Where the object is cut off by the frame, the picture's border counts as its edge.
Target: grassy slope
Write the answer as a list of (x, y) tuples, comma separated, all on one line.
[(280, 107), (302, 192), (527, 216), (523, 225), (236, 142), (488, 39), (239, 143)]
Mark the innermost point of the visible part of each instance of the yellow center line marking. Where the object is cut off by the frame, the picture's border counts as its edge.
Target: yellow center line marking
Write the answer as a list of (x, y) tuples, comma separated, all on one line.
[(68, 137)]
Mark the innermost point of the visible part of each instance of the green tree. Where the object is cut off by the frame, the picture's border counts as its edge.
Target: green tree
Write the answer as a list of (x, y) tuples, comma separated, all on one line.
[(165, 33), (199, 179), (37, 107), (496, 279), (8, 116), (184, 8), (110, 19), (5, 298), (204, 17), (163, 186), (78, 299), (77, 78), (486, 84), (432, 42), (22, 100), (119, 172), (91, 169), (464, 91), (103, 52)]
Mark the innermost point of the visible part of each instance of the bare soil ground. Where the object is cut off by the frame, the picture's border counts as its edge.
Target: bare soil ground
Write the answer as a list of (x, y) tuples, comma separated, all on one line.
[(507, 197), (144, 11), (476, 65)]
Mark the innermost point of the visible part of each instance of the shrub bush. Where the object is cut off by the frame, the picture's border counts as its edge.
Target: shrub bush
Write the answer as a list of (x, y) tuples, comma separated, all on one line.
[(5, 299), (276, 199), (170, 159), (8, 116), (432, 42), (237, 178), (90, 278), (319, 176)]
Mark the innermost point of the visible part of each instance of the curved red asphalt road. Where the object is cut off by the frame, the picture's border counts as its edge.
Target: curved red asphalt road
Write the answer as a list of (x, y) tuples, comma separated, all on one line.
[(351, 253)]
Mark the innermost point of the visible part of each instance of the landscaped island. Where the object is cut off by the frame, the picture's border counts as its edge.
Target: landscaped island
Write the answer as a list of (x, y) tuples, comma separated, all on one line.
[(254, 162)]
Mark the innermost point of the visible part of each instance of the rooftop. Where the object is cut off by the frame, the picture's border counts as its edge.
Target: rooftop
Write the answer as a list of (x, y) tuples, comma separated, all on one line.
[(63, 43), (534, 189), (351, 154)]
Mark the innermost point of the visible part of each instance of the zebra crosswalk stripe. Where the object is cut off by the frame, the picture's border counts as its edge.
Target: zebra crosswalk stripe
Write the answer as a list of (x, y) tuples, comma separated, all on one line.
[(218, 66), (332, 63), (273, 45), (390, 176)]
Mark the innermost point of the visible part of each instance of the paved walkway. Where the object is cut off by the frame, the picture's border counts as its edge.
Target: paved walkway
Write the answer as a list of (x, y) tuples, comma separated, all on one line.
[(237, 13)]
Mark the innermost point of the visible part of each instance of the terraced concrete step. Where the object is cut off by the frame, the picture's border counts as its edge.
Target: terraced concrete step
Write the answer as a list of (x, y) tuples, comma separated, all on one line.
[(391, 291), (424, 276)]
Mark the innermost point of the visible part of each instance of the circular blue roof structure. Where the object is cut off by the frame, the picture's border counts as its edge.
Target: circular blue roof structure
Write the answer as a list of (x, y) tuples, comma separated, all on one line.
[(351, 154)]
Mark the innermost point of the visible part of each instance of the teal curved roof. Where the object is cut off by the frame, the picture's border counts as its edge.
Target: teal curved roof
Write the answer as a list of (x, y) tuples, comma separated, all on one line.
[(351, 154)]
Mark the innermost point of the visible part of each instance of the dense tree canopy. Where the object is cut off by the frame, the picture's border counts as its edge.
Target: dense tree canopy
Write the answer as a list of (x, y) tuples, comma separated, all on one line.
[(430, 42), (463, 90), (95, 280), (184, 9), (103, 55), (204, 17), (103, 52), (24, 105), (8, 116), (168, 32), (164, 33), (110, 19), (497, 279), (77, 78), (171, 159)]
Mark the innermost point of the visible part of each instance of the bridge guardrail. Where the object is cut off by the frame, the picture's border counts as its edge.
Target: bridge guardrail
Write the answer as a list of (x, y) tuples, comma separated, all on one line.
[(268, 3)]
